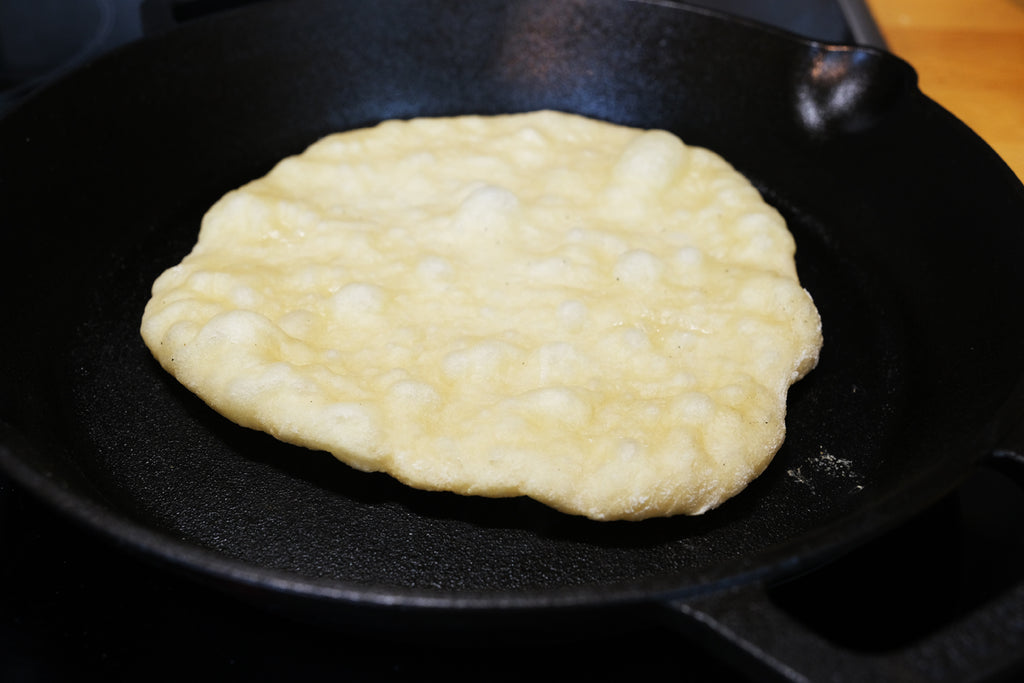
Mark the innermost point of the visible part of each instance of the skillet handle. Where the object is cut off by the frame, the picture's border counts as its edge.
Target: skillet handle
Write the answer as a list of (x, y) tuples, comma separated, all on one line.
[(760, 639), (1009, 457), (745, 625)]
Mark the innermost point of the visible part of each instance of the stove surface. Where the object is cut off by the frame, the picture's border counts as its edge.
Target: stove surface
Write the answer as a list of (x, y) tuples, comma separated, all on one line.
[(73, 606)]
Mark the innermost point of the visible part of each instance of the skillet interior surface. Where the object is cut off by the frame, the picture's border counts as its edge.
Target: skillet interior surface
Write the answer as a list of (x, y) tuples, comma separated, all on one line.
[(908, 231)]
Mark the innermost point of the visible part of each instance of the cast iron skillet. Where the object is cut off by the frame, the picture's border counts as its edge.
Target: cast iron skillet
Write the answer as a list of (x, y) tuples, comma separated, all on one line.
[(909, 233)]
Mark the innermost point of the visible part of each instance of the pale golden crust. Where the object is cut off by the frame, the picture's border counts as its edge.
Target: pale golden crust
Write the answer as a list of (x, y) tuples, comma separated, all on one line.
[(598, 317)]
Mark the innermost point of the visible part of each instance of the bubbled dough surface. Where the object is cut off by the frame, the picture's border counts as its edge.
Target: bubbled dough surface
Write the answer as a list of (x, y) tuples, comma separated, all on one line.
[(541, 304)]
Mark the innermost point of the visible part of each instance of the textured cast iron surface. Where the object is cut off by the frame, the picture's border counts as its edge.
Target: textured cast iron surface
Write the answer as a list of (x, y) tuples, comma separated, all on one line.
[(904, 222)]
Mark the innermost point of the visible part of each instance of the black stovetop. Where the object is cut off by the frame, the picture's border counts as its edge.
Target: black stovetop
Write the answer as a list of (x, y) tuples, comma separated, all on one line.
[(74, 607)]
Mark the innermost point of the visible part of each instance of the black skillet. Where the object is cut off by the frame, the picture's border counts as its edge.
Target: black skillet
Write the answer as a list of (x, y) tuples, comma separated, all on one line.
[(910, 235)]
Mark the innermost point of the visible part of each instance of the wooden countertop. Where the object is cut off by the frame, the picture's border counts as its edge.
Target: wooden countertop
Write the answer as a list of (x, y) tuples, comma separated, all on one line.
[(969, 55)]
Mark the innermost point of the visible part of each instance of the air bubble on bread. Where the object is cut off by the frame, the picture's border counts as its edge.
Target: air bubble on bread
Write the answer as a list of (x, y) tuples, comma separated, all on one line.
[(638, 268), (358, 301), (484, 218), (480, 361), (653, 158)]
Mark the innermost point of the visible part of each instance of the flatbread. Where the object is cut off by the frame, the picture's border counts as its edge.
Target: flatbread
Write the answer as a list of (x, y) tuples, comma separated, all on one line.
[(599, 317)]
